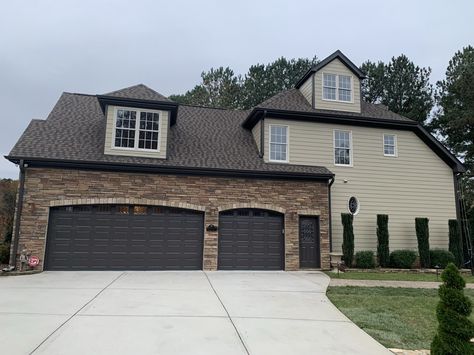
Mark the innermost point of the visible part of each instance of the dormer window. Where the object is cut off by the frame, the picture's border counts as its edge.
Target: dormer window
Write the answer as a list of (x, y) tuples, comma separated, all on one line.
[(141, 135), (337, 87)]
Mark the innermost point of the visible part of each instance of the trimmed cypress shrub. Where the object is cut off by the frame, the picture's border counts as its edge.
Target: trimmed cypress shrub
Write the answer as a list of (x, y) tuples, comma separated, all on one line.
[(347, 238), (454, 327), (383, 252), (423, 236), (365, 259), (4, 253), (441, 258), (455, 242), (402, 259)]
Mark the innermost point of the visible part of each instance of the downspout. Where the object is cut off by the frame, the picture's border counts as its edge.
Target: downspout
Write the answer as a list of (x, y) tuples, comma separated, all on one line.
[(262, 134), (19, 208), (330, 213)]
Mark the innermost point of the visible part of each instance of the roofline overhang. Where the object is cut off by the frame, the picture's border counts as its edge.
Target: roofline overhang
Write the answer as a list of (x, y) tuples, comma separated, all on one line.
[(149, 168), (336, 55), (105, 100), (258, 113)]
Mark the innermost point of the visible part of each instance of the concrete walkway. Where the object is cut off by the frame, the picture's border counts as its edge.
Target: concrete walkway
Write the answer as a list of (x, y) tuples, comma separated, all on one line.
[(388, 283), (232, 313)]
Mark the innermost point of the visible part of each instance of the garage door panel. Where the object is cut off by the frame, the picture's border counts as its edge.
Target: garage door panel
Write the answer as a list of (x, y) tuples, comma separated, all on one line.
[(250, 239), (107, 237)]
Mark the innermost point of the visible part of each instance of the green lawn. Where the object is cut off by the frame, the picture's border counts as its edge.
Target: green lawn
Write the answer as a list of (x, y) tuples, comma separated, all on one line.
[(396, 317), (399, 276)]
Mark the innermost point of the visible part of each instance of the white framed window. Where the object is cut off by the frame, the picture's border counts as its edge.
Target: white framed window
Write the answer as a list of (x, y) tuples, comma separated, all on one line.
[(337, 87), (342, 148), (390, 145), (136, 129), (278, 143)]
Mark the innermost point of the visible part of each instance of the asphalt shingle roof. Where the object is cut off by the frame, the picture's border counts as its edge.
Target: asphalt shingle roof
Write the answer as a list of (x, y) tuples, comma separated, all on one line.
[(293, 100), (201, 138), (140, 92)]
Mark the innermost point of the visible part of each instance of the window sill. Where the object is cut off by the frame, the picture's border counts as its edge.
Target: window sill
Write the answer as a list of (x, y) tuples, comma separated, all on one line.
[(338, 101)]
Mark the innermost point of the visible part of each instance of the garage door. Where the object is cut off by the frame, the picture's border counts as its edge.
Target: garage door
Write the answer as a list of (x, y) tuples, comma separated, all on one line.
[(250, 239), (123, 237)]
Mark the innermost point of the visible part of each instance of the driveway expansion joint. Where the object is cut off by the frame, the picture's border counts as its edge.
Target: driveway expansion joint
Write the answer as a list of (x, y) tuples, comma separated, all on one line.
[(73, 315), (228, 315)]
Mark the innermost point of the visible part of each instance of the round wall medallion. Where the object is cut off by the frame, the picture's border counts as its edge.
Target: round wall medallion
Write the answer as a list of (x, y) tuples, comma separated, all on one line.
[(354, 205)]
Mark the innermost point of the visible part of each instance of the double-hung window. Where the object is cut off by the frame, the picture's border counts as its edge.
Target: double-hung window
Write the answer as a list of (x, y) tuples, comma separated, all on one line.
[(337, 87), (390, 145), (342, 148), (136, 129), (278, 143)]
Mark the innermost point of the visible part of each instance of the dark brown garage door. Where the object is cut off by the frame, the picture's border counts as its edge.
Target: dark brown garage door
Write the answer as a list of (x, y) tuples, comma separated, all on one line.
[(250, 239), (123, 237)]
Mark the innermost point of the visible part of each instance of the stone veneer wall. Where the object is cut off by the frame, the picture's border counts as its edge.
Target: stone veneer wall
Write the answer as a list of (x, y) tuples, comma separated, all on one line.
[(45, 188)]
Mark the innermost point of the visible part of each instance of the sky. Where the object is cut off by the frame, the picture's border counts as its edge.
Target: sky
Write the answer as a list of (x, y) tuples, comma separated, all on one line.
[(48, 47)]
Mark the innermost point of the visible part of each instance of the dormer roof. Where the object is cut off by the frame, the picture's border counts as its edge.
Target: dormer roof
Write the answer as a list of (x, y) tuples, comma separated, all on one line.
[(336, 55)]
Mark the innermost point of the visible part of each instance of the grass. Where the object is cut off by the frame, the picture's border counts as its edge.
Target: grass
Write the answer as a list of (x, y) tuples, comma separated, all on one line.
[(396, 317), (394, 276)]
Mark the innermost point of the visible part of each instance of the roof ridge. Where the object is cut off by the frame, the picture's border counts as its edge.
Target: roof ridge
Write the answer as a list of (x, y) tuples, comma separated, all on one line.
[(214, 108)]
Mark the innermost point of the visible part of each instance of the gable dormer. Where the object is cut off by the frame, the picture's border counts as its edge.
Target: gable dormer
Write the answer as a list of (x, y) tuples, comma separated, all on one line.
[(137, 122), (333, 84)]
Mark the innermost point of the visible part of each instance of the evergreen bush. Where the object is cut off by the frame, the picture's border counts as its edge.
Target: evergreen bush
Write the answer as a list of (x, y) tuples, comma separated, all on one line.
[(423, 236), (455, 242), (347, 238), (383, 252), (402, 259), (365, 259), (454, 327), (441, 258), (4, 253)]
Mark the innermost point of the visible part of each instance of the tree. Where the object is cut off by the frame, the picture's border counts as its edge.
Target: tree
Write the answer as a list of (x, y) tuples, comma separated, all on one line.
[(455, 330), (8, 189), (423, 236), (222, 88), (347, 238), (219, 88), (455, 241), (455, 96), (383, 252), (263, 81), (401, 86), (373, 86)]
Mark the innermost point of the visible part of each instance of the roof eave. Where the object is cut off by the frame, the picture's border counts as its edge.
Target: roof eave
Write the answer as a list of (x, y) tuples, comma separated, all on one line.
[(148, 168), (140, 103)]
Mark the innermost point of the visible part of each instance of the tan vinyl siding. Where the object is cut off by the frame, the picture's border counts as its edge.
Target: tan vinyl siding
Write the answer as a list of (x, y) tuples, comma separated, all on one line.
[(417, 183), (162, 137), (336, 67), (256, 135), (307, 89)]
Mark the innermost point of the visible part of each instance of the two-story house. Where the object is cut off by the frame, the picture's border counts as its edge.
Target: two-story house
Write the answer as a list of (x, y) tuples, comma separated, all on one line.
[(132, 180)]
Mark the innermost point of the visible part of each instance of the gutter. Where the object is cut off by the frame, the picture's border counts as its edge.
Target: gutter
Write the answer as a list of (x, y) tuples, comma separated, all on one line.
[(330, 213), (150, 168), (19, 208)]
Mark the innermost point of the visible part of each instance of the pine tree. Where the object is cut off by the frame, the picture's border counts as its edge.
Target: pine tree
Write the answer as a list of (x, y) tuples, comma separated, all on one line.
[(455, 330)]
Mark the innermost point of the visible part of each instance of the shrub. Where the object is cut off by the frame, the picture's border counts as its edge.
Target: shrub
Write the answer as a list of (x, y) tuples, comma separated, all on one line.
[(4, 253), (454, 327), (347, 238), (455, 242), (383, 252), (423, 236), (402, 259), (365, 259), (441, 258)]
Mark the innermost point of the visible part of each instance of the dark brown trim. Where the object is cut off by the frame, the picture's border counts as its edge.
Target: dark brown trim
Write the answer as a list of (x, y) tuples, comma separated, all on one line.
[(313, 92), (262, 137), (337, 54), (457, 197), (330, 214), (127, 167), (413, 126), (105, 100), (19, 209)]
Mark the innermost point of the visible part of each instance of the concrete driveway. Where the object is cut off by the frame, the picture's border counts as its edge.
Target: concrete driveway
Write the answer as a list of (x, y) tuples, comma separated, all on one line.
[(227, 313)]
